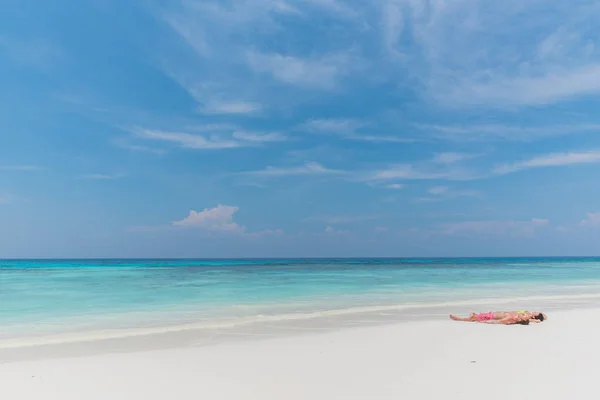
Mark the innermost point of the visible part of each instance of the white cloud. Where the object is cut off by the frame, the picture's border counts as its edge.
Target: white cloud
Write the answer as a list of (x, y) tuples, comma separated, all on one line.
[(334, 6), (441, 193), (501, 54), (347, 128), (188, 140), (437, 190), (550, 88), (218, 79), (593, 219), (258, 137), (234, 107), (221, 137), (443, 166), (212, 128), (329, 230), (219, 218), (505, 132), (495, 227), (381, 139), (551, 160), (453, 53), (125, 144), (450, 158), (448, 167), (410, 172), (319, 73), (393, 24), (338, 220), (205, 25), (6, 199), (284, 7), (554, 44), (19, 168), (265, 233), (38, 53), (395, 186), (101, 176), (309, 168), (343, 126)]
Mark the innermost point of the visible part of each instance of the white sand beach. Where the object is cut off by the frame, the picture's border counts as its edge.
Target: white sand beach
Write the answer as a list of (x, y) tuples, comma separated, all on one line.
[(440, 359)]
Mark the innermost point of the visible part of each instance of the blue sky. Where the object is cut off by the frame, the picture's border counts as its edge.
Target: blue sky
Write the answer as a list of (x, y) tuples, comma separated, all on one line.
[(299, 128)]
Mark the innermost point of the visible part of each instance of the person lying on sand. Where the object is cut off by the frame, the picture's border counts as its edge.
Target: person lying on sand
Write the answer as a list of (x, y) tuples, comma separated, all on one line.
[(504, 317)]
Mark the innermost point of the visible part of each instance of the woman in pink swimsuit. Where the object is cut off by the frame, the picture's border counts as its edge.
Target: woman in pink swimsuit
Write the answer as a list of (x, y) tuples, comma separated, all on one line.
[(504, 317)]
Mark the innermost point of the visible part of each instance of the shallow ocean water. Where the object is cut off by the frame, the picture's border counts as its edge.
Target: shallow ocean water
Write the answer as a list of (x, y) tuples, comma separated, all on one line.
[(48, 297)]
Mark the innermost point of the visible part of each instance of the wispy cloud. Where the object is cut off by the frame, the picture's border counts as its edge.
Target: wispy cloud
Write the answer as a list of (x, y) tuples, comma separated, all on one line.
[(126, 144), (309, 168), (265, 233), (454, 54), (593, 219), (6, 198), (222, 137), (188, 140), (232, 107), (337, 7), (532, 90), (101, 176), (392, 15), (441, 193), (450, 167), (212, 128), (495, 227), (504, 54), (438, 190), (37, 53), (504, 132), (340, 126), (410, 172), (550, 160), (445, 166), (255, 73), (330, 230), (19, 168), (343, 219), (220, 81), (441, 167), (321, 73), (451, 158), (348, 129), (258, 137), (394, 186), (381, 139)]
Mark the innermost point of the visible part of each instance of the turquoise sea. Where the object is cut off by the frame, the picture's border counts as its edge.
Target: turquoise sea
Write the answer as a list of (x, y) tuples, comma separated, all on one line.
[(42, 298)]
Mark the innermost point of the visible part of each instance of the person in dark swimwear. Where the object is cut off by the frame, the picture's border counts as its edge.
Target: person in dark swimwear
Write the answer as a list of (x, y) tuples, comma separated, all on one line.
[(523, 317)]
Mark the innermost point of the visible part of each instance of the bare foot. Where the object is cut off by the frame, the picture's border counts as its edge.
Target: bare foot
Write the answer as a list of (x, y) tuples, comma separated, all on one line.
[(454, 317)]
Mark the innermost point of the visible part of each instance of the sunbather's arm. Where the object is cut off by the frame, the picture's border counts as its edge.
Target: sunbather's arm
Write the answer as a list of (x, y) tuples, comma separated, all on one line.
[(503, 321)]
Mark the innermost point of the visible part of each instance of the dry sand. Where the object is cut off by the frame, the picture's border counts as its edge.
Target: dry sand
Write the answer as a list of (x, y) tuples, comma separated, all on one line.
[(443, 359)]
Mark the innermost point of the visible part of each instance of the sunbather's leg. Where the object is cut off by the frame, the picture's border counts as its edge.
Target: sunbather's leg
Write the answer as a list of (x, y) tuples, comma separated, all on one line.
[(471, 318)]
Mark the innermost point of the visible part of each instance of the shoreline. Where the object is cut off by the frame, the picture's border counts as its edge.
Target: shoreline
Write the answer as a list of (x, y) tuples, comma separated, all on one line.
[(556, 359), (78, 344)]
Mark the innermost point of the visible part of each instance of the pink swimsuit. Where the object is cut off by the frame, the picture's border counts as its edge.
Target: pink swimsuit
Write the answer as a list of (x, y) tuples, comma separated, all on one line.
[(485, 316)]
